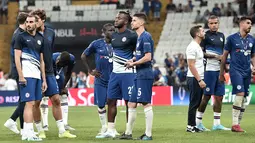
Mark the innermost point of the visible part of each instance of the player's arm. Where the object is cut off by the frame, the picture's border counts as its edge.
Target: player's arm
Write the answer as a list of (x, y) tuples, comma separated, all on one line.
[(210, 56), (85, 61), (53, 42), (17, 57), (224, 59), (223, 62), (84, 57), (68, 73), (42, 68), (147, 49), (193, 70), (253, 59), (253, 63), (146, 58)]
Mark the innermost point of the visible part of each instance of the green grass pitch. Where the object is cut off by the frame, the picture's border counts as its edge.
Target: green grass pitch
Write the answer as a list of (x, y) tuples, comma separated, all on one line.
[(168, 127)]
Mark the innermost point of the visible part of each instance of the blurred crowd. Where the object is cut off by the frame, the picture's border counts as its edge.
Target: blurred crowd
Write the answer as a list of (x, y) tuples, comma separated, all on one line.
[(175, 71), (3, 11), (80, 80)]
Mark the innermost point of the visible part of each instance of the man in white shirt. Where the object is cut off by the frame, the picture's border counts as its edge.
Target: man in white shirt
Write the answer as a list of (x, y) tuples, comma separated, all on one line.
[(10, 84), (3, 81), (195, 75)]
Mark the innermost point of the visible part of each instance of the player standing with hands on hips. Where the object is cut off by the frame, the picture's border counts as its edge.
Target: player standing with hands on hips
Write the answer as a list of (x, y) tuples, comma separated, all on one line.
[(241, 48), (103, 59), (195, 75)]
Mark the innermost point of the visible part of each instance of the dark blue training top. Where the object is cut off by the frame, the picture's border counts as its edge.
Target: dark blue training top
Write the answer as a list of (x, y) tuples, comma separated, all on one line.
[(144, 45), (240, 50), (103, 59)]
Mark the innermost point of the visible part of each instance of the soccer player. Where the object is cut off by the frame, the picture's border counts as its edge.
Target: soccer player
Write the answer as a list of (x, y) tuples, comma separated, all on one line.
[(11, 123), (103, 58), (121, 79), (195, 75), (60, 62), (213, 46), (142, 90), (241, 48), (52, 92), (30, 66)]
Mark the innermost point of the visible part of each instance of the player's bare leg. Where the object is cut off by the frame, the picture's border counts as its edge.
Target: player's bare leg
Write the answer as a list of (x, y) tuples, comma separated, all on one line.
[(217, 105), (200, 112), (237, 106)]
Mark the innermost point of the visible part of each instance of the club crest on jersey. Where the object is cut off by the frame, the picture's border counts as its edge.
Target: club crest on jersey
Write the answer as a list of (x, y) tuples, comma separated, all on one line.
[(39, 42), (207, 89), (238, 87), (221, 39), (27, 95), (124, 39), (250, 44)]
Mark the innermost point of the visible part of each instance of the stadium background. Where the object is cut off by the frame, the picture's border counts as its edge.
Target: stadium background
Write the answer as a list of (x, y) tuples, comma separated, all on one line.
[(78, 22)]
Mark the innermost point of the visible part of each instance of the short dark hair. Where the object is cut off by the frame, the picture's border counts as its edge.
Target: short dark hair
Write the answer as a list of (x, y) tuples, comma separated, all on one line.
[(194, 30), (22, 17), (213, 17), (127, 14), (141, 16), (107, 25), (40, 12), (243, 18), (64, 56)]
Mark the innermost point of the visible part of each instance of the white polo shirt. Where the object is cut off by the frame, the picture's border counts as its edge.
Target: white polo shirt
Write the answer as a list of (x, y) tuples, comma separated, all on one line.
[(194, 51)]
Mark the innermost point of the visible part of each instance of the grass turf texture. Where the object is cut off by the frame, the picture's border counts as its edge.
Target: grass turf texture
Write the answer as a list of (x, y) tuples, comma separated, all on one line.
[(169, 126)]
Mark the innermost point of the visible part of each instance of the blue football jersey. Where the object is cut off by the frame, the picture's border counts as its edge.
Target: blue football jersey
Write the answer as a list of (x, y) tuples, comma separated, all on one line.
[(103, 59), (31, 47), (60, 70), (123, 46), (213, 44), (240, 50), (144, 45)]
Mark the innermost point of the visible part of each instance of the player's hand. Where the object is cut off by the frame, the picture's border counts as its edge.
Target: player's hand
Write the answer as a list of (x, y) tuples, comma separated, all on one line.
[(221, 78), (218, 57), (95, 73), (64, 91), (202, 84), (22, 81), (253, 71), (44, 86), (129, 64)]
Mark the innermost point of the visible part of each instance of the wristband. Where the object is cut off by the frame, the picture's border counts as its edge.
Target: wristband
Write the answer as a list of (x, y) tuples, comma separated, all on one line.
[(199, 80)]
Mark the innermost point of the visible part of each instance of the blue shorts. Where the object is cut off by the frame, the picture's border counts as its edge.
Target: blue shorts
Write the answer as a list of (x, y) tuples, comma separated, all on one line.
[(100, 95), (142, 91), (32, 91), (120, 85), (52, 86), (213, 85), (240, 84), (60, 80)]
